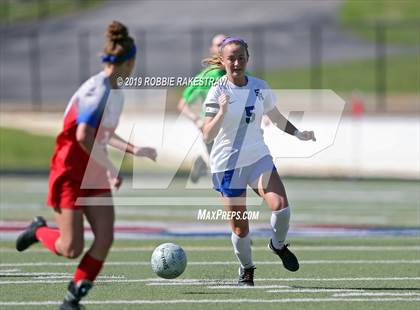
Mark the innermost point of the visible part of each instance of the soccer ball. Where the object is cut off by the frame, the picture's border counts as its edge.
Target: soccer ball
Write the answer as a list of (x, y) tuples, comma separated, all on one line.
[(168, 260)]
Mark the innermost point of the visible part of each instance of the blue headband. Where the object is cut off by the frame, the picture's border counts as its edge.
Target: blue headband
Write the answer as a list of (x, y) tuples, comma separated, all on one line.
[(115, 59), (233, 39)]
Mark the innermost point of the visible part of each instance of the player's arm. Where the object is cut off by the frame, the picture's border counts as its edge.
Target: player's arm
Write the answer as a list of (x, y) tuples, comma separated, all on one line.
[(125, 146), (215, 114), (189, 96), (85, 136), (283, 124), (120, 144), (184, 108)]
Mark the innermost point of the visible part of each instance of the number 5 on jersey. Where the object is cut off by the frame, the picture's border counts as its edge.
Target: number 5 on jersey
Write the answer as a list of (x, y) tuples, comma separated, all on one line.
[(250, 116)]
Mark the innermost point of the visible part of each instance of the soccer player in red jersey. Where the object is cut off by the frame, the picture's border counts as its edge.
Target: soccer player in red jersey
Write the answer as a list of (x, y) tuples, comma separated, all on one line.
[(81, 169)]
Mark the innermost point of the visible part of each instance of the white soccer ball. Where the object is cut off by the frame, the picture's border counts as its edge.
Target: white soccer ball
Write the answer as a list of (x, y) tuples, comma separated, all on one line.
[(169, 260)]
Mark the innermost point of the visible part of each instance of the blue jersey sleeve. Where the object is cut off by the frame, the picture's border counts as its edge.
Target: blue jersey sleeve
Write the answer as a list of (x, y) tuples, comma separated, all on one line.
[(91, 107)]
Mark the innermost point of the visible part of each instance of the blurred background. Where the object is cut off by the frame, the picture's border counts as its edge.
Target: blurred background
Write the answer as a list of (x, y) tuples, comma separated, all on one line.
[(50, 47), (366, 52)]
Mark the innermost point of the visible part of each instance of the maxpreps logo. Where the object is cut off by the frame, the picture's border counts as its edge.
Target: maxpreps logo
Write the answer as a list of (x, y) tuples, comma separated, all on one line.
[(214, 215)]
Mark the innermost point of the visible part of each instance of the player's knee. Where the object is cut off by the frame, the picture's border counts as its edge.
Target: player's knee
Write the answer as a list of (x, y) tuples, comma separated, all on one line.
[(241, 231), (71, 249), (278, 204)]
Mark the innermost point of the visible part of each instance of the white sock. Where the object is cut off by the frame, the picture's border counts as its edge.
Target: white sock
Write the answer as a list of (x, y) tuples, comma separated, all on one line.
[(242, 249), (280, 225)]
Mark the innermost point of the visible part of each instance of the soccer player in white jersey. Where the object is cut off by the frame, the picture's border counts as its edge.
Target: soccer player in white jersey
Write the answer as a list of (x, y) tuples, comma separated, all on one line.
[(239, 157), (89, 124)]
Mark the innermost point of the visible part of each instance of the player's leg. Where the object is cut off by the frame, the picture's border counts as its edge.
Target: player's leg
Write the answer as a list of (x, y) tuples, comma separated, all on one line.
[(240, 229), (199, 167), (209, 146), (232, 186), (66, 240), (270, 187), (241, 240), (101, 219), (70, 241), (70, 244)]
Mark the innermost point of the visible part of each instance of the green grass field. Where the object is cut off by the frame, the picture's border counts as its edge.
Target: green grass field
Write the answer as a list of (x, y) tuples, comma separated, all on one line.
[(14, 11), (25, 151), (363, 271), (323, 201), (354, 75)]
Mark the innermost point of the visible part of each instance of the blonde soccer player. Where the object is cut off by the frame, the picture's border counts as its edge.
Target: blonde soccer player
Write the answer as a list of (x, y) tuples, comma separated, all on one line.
[(239, 158)]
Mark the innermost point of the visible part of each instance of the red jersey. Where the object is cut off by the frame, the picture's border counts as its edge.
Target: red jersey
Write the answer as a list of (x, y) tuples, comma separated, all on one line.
[(72, 169)]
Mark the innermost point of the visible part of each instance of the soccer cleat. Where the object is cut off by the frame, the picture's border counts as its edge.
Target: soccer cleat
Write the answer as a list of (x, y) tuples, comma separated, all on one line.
[(74, 294), (290, 262), (246, 276), (27, 237), (198, 170), (71, 305)]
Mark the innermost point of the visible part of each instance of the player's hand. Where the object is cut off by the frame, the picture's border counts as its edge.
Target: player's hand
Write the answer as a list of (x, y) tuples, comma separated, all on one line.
[(148, 152), (266, 121), (223, 102), (305, 135), (114, 179)]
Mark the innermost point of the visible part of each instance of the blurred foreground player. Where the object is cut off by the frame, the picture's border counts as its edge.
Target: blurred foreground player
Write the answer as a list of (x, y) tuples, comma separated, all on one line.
[(81, 169)]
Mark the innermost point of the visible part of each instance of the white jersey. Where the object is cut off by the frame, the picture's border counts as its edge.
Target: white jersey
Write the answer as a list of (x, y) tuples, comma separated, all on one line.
[(240, 140), (95, 103)]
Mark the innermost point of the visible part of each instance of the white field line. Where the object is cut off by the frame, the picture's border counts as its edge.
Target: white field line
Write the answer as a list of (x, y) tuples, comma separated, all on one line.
[(235, 286), (288, 279), (212, 301), (167, 201), (297, 248), (216, 282), (49, 275), (256, 248), (205, 263), (54, 281), (69, 276), (376, 294), (323, 261), (312, 290), (9, 270), (103, 277), (52, 275), (282, 288), (34, 274)]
